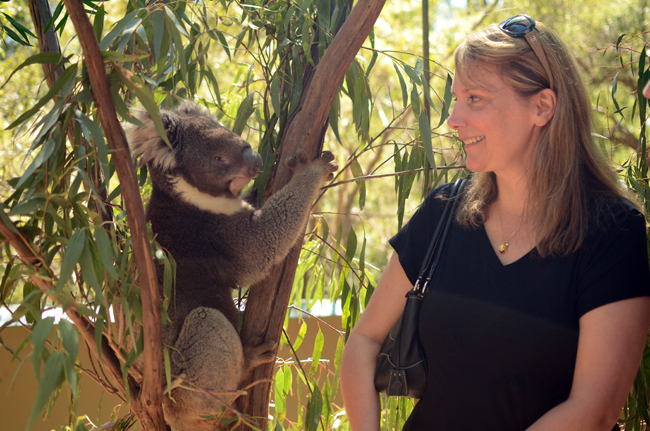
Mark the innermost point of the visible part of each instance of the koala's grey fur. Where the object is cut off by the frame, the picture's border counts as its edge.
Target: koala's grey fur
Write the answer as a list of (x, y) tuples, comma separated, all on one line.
[(219, 242)]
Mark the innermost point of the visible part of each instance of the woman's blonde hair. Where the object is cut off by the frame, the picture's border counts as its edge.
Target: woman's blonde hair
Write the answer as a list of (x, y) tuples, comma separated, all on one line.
[(567, 168)]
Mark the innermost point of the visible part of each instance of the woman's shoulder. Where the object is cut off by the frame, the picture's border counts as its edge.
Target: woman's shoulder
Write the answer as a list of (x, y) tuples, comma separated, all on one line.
[(440, 193), (612, 211)]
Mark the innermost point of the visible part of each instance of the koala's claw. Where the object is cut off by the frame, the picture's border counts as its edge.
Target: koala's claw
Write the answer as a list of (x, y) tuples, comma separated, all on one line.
[(257, 352), (327, 156), (300, 158), (331, 166)]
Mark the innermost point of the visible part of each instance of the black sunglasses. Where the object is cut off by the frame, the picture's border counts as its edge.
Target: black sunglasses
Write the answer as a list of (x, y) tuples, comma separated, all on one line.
[(524, 26)]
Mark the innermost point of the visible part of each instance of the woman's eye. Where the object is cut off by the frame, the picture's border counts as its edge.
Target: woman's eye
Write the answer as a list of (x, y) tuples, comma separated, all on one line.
[(474, 98)]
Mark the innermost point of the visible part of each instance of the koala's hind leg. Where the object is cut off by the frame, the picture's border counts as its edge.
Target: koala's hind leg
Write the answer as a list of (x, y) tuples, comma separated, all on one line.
[(208, 354)]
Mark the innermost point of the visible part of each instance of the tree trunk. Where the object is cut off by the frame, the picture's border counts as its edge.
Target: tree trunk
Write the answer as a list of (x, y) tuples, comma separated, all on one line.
[(268, 301)]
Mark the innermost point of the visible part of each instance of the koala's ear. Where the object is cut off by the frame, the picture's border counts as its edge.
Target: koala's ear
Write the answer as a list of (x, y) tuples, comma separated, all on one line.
[(147, 145)]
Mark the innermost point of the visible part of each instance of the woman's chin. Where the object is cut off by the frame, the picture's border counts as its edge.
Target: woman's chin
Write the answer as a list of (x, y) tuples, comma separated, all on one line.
[(475, 165)]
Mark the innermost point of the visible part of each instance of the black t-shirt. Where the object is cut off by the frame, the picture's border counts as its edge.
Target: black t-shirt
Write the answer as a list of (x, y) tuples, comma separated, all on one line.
[(501, 341)]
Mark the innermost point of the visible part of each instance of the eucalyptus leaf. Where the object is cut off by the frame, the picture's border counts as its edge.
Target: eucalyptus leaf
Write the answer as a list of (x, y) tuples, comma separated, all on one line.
[(158, 25), (314, 409), (351, 246), (402, 83), (412, 74), (73, 251), (89, 274), (355, 167), (118, 29), (53, 376), (145, 97), (46, 151), (446, 103), (96, 134), (316, 354), (425, 133), (68, 74), (69, 338), (105, 251), (40, 333), (42, 58), (243, 113)]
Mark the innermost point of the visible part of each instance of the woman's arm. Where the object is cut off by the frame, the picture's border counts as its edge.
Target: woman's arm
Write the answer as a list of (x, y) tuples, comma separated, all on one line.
[(360, 355), (610, 346)]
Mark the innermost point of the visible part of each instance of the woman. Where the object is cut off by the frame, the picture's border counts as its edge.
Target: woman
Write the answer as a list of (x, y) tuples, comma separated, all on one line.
[(538, 312)]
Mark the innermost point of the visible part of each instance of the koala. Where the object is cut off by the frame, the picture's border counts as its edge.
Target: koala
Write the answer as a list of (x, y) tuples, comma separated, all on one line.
[(220, 242)]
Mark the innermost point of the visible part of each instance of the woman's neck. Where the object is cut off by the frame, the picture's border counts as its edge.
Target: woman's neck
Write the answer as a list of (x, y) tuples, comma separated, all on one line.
[(513, 197)]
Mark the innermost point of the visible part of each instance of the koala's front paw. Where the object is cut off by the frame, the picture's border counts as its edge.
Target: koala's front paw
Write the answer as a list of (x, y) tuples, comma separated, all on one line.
[(325, 163), (327, 160)]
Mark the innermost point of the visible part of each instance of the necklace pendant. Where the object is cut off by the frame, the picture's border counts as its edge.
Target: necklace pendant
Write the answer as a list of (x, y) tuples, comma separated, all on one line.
[(503, 247)]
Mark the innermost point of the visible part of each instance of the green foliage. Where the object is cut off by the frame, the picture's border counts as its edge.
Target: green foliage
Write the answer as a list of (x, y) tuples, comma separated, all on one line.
[(247, 61), (635, 170)]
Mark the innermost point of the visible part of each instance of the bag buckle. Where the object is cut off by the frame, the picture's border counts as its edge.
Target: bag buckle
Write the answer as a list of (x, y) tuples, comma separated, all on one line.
[(397, 385)]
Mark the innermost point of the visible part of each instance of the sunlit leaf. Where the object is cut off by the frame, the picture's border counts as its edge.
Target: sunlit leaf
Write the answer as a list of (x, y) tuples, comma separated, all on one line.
[(318, 351), (118, 29), (301, 335), (120, 57)]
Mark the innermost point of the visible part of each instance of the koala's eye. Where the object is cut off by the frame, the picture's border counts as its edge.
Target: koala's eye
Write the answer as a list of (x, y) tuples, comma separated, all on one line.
[(218, 158)]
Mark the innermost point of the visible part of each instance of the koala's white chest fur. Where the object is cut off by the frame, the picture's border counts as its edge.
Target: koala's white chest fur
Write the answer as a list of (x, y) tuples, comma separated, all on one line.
[(206, 202)]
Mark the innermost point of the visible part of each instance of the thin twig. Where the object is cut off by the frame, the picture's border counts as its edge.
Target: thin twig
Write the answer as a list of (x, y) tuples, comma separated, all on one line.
[(393, 174)]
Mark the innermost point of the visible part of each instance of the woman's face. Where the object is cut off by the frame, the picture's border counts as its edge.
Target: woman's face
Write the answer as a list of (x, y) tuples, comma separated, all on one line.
[(497, 126)]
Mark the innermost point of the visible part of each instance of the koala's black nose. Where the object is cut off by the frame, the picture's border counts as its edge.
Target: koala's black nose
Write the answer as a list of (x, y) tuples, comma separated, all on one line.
[(253, 160)]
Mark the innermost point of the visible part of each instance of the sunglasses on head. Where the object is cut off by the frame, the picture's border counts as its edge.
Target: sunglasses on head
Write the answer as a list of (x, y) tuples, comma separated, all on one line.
[(524, 26)]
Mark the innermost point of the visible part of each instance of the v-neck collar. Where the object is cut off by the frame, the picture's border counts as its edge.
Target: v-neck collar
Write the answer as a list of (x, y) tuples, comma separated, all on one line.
[(491, 254)]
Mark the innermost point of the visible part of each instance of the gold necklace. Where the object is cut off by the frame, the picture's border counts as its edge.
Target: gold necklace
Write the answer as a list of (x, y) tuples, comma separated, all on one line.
[(504, 245), (503, 248)]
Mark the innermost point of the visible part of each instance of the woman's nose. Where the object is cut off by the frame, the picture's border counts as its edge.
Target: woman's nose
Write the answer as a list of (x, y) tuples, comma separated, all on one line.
[(455, 120)]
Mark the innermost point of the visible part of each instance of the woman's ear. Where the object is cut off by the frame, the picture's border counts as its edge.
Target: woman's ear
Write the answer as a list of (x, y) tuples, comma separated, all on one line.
[(545, 102)]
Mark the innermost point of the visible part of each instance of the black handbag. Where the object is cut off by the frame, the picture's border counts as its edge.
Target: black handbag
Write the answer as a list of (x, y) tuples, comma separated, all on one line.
[(401, 365)]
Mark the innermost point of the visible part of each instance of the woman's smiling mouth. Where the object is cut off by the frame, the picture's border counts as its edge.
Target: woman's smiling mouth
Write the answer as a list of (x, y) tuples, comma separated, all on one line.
[(473, 140)]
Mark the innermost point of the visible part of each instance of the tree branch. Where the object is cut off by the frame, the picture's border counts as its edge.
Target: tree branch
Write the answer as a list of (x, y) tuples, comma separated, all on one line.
[(47, 40), (151, 417)]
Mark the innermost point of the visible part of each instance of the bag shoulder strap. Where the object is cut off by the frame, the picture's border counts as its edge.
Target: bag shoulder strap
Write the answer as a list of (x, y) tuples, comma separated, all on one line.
[(438, 239)]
